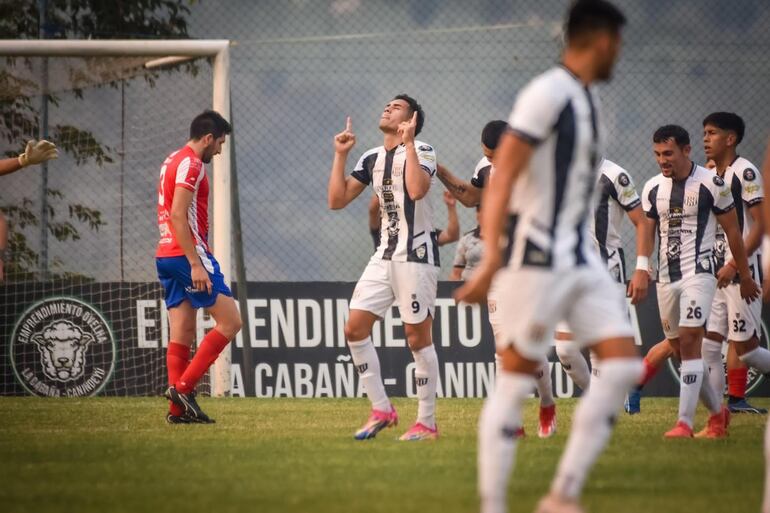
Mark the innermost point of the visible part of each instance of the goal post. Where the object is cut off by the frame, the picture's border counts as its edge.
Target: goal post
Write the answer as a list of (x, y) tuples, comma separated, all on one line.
[(168, 52)]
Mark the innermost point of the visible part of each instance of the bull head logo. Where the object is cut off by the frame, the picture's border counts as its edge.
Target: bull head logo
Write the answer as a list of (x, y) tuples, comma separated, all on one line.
[(62, 347)]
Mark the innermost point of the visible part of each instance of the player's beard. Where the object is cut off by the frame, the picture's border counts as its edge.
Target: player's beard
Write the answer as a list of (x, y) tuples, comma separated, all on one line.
[(208, 154)]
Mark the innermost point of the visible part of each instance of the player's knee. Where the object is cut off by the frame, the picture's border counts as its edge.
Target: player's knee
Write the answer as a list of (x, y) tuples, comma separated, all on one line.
[(231, 326), (354, 333), (417, 341)]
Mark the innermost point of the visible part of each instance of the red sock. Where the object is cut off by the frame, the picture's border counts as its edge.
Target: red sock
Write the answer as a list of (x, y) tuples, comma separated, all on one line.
[(736, 382), (649, 371), (208, 350), (177, 360)]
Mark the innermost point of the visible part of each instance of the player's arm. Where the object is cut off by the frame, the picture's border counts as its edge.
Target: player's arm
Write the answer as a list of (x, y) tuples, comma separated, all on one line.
[(511, 158), (416, 176), (180, 226), (766, 214), (374, 213), (452, 231), (645, 241), (342, 190), (459, 262), (729, 222), (465, 192), (752, 242), (35, 153)]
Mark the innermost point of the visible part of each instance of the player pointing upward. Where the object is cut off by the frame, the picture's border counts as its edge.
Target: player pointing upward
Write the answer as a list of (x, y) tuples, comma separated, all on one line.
[(405, 266), (551, 270)]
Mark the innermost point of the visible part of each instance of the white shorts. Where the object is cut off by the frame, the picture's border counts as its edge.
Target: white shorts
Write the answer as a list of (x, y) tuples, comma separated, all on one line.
[(685, 303), (734, 318), (411, 285), (532, 301)]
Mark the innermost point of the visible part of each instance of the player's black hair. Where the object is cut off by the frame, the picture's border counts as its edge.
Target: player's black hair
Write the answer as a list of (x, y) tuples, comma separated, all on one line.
[(490, 135), (209, 122), (586, 16), (413, 107), (729, 121), (675, 132)]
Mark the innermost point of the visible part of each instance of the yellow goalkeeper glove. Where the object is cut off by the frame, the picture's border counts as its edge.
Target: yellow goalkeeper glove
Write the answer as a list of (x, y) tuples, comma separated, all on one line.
[(37, 152)]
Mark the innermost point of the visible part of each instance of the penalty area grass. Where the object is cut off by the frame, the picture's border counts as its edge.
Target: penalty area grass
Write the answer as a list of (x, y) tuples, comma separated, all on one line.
[(298, 455)]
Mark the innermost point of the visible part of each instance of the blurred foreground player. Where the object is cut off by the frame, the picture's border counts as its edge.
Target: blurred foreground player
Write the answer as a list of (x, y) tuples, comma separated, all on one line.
[(549, 159), (404, 269), (36, 152), (188, 271), (470, 252)]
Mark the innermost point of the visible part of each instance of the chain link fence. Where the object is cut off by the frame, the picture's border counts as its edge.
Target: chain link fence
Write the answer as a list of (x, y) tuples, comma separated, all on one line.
[(300, 67)]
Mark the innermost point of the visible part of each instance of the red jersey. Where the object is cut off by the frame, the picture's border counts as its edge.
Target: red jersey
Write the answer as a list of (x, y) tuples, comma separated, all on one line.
[(183, 169)]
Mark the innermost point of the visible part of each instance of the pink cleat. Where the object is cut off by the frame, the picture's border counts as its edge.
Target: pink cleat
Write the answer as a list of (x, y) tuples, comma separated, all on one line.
[(547, 426), (378, 420), (680, 430), (554, 504), (420, 432)]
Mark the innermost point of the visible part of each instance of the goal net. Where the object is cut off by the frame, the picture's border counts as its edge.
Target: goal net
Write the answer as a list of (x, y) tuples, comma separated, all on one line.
[(81, 312)]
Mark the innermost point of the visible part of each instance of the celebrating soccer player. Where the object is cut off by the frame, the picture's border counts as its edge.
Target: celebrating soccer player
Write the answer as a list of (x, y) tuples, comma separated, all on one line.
[(405, 266), (685, 202), (616, 194), (732, 318), (188, 271), (545, 173)]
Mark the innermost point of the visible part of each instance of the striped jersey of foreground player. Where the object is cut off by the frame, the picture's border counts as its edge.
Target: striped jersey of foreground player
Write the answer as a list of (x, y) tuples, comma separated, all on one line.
[(549, 160)]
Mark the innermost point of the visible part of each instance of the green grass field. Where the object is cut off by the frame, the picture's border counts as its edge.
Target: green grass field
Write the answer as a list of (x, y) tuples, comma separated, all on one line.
[(297, 455)]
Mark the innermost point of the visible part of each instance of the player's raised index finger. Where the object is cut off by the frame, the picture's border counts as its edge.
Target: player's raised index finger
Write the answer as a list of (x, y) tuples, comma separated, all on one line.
[(348, 124)]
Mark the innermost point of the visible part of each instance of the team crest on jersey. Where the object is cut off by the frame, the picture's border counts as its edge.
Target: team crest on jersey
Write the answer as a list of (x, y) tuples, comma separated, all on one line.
[(718, 180), (420, 252), (623, 180), (749, 175), (425, 147), (674, 248), (62, 347)]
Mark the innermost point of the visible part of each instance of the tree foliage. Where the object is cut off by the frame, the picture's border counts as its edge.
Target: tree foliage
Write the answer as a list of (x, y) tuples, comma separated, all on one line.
[(20, 100)]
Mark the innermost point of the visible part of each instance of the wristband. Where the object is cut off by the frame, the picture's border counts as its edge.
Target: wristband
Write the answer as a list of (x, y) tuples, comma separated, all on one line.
[(643, 263)]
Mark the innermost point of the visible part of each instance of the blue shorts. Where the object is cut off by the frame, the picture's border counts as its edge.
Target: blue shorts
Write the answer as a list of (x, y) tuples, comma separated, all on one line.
[(175, 276)]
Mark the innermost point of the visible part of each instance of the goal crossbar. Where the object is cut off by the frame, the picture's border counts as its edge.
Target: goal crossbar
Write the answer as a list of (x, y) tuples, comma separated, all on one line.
[(219, 50)]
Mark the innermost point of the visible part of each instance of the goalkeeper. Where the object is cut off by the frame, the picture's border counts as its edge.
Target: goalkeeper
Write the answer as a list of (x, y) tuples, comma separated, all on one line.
[(36, 152)]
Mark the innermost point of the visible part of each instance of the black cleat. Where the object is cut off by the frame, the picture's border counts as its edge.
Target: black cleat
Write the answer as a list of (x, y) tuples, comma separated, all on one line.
[(191, 409), (743, 406), (173, 419)]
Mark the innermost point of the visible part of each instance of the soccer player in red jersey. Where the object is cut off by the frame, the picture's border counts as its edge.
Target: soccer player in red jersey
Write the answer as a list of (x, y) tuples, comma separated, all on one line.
[(188, 271)]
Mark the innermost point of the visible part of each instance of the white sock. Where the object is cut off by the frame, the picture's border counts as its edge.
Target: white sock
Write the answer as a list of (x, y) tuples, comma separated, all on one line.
[(594, 367), (758, 358), (368, 366), (712, 357), (543, 384), (592, 423), (708, 396), (692, 379), (499, 428), (426, 378), (766, 500), (574, 363)]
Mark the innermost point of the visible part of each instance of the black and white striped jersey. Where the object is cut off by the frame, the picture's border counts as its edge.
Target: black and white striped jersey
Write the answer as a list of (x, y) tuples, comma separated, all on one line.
[(551, 200), (745, 183), (615, 195), (686, 212), (481, 173), (406, 229)]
